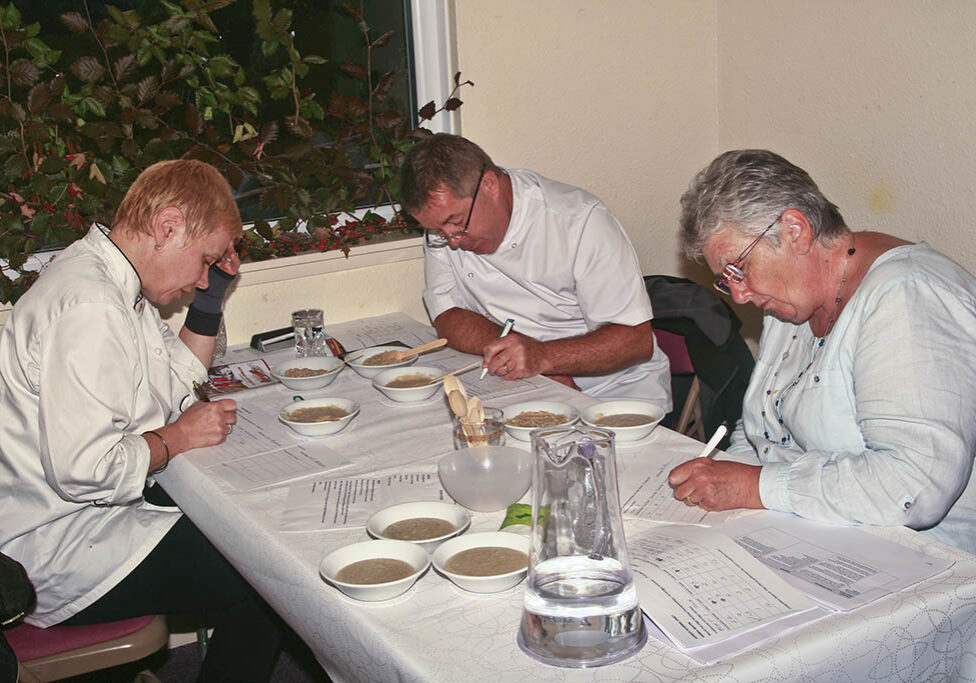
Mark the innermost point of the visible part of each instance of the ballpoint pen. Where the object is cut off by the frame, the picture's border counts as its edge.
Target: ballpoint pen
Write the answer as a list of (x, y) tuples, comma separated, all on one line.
[(506, 328), (713, 442)]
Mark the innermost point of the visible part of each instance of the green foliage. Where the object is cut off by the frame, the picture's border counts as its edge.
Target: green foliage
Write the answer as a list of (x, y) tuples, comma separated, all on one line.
[(74, 136)]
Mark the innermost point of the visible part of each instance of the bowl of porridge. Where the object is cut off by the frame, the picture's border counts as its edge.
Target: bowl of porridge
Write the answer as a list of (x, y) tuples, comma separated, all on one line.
[(375, 570), (309, 373), (486, 562), (408, 384), (522, 418), (372, 361), (428, 523), (319, 416), (628, 419)]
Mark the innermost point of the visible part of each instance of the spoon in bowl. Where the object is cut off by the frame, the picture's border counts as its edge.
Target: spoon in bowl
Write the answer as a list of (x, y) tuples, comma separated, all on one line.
[(429, 346)]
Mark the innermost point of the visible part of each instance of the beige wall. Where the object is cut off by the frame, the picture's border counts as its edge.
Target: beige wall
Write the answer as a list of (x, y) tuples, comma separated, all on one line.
[(617, 97), (875, 98)]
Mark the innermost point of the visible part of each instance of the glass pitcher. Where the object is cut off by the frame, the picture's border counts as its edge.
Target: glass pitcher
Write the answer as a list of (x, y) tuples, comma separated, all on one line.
[(580, 607)]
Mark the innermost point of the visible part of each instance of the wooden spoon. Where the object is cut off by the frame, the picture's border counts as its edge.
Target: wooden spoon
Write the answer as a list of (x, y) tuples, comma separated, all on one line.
[(452, 383), (469, 366), (429, 346), (457, 403), (476, 418)]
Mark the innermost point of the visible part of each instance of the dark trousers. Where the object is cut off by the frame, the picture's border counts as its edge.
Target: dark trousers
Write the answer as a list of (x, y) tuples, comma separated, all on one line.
[(185, 574)]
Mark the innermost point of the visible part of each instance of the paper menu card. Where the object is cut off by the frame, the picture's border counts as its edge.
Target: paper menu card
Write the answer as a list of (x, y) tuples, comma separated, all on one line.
[(841, 567), (700, 588), (336, 503)]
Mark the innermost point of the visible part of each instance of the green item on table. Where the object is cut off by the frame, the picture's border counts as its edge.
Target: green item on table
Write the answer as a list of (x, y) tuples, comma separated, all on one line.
[(517, 513), (521, 513)]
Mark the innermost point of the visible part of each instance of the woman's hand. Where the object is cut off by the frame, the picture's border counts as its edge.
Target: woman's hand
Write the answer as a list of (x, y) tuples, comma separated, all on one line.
[(716, 484), (207, 424)]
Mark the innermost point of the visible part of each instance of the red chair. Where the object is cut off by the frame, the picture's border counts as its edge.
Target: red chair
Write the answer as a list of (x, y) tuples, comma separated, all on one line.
[(50, 654), (690, 422)]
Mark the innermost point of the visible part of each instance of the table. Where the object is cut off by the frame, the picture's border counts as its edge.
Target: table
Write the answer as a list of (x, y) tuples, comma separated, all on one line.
[(437, 632)]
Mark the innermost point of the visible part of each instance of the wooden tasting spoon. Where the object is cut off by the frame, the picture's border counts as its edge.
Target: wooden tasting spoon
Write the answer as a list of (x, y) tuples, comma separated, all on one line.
[(429, 346)]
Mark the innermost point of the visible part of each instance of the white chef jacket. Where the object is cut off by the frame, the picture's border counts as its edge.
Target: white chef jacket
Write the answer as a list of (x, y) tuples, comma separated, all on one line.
[(881, 427), (564, 269), (86, 366)]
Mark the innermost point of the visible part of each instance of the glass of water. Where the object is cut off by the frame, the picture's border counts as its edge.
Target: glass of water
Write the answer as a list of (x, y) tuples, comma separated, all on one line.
[(309, 332)]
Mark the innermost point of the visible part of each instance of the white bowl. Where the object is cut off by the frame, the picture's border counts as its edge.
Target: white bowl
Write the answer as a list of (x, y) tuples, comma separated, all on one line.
[(410, 553), (320, 428), (456, 515), (330, 364), (370, 371), (408, 394), (555, 407), (653, 411), (482, 584), (486, 478)]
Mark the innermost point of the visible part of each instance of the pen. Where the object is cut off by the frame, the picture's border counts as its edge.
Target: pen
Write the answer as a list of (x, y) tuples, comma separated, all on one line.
[(713, 442), (506, 328), (200, 392)]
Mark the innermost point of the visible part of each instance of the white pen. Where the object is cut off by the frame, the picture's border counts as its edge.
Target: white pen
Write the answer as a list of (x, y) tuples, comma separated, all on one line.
[(713, 442), (506, 328)]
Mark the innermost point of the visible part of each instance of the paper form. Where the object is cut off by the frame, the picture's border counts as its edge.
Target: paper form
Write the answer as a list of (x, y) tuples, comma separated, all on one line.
[(348, 502), (840, 567), (277, 467), (262, 452), (700, 588), (645, 492), (382, 329)]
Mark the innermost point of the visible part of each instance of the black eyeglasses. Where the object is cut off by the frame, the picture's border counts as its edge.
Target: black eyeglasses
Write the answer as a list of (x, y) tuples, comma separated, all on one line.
[(437, 239), (731, 273)]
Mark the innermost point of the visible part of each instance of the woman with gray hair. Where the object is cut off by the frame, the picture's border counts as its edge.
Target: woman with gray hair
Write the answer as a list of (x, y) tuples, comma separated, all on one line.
[(861, 408)]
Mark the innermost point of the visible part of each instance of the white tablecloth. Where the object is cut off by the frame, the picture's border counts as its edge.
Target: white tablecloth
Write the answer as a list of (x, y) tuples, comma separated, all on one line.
[(437, 632)]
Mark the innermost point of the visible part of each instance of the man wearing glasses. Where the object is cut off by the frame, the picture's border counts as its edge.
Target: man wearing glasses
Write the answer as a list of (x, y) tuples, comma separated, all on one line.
[(508, 243)]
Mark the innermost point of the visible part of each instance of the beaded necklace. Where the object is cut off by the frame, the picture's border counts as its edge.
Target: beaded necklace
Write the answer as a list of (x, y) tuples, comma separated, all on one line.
[(818, 344)]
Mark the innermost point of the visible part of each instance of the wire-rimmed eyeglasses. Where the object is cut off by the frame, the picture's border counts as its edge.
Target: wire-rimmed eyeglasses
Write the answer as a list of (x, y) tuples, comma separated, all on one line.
[(731, 273), (437, 239)]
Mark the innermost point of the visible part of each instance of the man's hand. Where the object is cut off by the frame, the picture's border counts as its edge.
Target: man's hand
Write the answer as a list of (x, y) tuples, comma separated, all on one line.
[(515, 356), (716, 484)]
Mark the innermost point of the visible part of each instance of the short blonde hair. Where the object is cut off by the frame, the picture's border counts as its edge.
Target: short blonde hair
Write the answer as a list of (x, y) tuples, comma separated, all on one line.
[(194, 187)]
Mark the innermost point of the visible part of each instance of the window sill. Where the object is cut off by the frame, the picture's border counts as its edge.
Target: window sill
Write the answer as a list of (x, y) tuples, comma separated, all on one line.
[(318, 263), (305, 265)]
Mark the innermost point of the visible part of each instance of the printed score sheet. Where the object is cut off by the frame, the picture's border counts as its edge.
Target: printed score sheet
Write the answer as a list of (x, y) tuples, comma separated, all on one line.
[(709, 597), (841, 567)]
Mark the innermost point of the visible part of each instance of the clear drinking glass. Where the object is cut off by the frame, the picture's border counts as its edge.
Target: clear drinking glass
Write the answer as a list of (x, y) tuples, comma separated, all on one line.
[(488, 432), (309, 332), (580, 605)]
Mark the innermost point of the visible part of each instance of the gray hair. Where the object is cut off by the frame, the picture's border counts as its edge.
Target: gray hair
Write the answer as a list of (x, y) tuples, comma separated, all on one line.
[(441, 161), (750, 188)]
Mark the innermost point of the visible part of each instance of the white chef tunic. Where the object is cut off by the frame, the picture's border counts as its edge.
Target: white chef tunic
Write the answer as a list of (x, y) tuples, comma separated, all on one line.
[(86, 366), (564, 269)]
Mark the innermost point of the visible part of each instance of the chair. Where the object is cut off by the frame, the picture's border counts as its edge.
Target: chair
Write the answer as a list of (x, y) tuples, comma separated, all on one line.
[(50, 654), (690, 422), (710, 361)]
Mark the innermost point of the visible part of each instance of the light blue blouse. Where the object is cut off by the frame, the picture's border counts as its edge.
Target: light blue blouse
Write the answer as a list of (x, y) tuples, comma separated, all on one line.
[(876, 422)]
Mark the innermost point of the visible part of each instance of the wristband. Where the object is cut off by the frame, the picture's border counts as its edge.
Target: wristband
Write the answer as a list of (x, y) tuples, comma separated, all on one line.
[(211, 299), (201, 322), (165, 446)]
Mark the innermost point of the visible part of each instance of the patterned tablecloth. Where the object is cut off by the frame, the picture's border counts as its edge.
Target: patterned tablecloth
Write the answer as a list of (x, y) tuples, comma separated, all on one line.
[(437, 632)]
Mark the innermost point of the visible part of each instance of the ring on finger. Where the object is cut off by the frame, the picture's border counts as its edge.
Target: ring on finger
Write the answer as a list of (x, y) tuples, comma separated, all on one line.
[(230, 428), (505, 368)]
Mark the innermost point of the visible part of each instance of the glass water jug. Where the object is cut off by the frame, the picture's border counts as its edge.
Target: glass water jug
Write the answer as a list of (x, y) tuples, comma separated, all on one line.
[(580, 607)]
